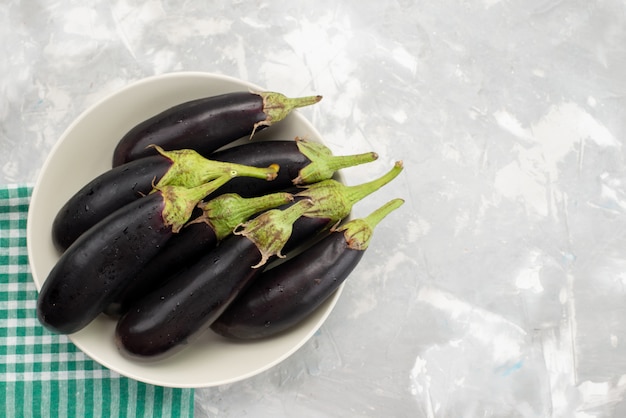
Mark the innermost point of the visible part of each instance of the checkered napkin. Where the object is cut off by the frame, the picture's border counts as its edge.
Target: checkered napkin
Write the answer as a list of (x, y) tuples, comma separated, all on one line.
[(45, 375)]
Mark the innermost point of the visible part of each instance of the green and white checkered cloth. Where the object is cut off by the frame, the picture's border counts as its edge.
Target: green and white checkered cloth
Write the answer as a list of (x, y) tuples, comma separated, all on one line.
[(45, 375)]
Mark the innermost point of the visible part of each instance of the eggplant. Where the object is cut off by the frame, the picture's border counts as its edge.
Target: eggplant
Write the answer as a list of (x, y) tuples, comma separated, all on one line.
[(94, 270), (207, 124), (284, 296), (331, 201), (172, 315), (159, 323), (126, 183), (301, 162), (217, 219)]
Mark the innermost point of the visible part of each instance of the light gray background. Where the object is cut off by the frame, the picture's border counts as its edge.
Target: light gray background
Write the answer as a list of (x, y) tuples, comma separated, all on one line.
[(498, 289)]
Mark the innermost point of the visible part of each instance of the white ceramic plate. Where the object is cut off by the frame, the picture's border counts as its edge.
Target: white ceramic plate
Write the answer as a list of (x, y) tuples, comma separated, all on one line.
[(85, 151)]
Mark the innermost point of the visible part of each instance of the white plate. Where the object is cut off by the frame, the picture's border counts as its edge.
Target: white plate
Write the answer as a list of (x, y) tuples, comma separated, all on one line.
[(85, 151)]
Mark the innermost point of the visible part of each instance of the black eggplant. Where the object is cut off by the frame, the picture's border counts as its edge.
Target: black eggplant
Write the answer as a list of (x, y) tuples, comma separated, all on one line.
[(126, 183), (173, 314), (287, 294), (301, 162), (191, 300), (217, 219), (207, 124), (94, 270), (331, 201)]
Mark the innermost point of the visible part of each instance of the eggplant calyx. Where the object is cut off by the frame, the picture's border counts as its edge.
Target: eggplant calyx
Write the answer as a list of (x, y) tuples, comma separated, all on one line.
[(190, 169), (225, 212), (179, 202), (270, 230), (334, 200), (323, 163), (328, 200), (277, 106), (358, 232)]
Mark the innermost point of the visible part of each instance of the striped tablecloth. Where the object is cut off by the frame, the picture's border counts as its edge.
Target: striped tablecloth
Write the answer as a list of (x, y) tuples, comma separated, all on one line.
[(45, 375)]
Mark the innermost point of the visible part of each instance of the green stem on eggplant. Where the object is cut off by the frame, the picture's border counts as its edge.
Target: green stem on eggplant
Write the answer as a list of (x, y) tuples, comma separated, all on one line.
[(277, 107), (271, 230), (181, 201), (334, 200), (225, 212), (191, 169), (358, 232), (324, 164)]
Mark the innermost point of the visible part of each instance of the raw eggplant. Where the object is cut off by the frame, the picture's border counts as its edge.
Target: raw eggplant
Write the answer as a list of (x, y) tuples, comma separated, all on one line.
[(207, 124), (188, 246), (301, 162), (126, 183), (103, 195), (331, 201), (181, 248), (164, 320), (215, 221), (287, 294), (94, 270)]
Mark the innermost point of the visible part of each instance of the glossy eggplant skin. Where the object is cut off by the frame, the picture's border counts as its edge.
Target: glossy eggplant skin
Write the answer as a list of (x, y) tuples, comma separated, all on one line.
[(185, 248), (162, 321), (97, 267), (180, 252), (261, 154), (203, 125), (287, 294), (104, 195)]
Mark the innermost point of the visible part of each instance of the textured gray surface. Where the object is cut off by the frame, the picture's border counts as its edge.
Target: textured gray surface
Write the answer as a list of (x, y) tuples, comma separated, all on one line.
[(498, 289)]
